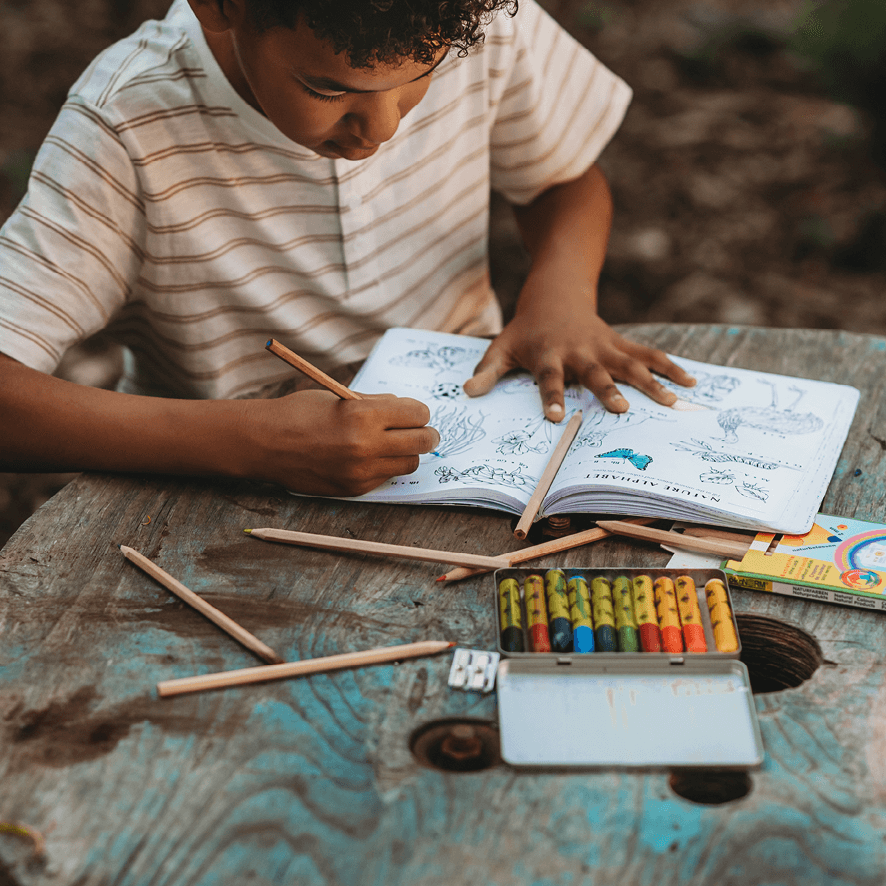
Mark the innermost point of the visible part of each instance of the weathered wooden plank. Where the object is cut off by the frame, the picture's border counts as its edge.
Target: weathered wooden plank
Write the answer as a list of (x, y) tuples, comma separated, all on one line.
[(311, 781)]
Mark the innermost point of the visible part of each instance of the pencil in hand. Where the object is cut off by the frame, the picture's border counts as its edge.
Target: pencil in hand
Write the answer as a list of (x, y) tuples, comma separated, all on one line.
[(311, 371)]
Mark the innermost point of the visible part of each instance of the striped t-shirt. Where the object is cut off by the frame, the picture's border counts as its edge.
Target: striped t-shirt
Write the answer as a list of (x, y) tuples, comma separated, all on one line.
[(166, 209)]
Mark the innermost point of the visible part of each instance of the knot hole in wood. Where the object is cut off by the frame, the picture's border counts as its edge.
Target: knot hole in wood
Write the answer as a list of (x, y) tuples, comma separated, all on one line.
[(710, 787), (456, 745), (777, 655)]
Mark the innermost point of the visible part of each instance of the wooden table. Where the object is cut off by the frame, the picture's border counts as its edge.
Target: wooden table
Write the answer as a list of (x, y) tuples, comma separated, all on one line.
[(312, 781)]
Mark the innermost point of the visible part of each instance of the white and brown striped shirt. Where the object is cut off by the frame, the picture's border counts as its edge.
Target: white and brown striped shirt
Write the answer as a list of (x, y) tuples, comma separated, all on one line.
[(165, 208)]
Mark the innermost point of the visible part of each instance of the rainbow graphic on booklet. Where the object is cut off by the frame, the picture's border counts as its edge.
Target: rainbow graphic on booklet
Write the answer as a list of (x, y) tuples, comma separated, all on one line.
[(840, 560)]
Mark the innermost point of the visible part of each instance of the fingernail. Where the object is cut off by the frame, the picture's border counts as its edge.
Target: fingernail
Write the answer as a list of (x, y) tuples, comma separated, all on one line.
[(555, 411)]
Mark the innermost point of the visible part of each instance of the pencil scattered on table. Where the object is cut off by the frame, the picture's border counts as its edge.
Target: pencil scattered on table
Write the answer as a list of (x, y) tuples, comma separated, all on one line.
[(300, 668), (185, 594), (352, 545), (724, 547), (566, 543), (311, 371), (547, 477)]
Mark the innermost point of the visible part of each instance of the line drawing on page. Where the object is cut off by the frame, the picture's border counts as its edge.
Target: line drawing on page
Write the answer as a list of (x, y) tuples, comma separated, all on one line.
[(770, 418), (485, 473), (459, 429)]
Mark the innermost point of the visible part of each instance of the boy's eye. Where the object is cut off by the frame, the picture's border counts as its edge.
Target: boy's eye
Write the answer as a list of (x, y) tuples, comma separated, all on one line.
[(321, 96)]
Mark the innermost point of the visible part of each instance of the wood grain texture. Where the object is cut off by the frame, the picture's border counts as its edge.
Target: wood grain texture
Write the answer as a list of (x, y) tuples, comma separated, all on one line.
[(311, 781)]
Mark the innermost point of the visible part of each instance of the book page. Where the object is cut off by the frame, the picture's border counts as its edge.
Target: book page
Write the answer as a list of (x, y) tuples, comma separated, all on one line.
[(493, 449), (762, 447)]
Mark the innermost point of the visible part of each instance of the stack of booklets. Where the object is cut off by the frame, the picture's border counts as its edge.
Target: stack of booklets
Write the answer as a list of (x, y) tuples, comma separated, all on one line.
[(744, 449)]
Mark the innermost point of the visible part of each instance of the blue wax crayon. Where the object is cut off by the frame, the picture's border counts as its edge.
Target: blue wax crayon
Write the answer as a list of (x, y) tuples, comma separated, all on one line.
[(580, 613)]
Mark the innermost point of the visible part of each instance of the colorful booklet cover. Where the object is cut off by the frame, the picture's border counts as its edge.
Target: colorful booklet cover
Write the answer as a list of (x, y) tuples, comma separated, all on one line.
[(747, 449), (839, 560)]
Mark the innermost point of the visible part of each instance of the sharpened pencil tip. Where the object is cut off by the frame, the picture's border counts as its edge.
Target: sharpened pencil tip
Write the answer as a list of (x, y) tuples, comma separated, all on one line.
[(442, 577), (269, 342), (247, 531)]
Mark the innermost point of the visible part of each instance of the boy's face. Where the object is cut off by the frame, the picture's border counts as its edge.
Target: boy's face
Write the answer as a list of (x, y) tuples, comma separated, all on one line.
[(312, 95)]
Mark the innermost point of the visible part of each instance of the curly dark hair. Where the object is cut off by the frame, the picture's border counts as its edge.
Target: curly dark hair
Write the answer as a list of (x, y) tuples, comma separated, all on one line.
[(371, 32)]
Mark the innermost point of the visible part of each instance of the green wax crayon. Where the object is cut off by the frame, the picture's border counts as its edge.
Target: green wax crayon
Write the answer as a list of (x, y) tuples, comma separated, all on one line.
[(625, 623), (511, 617), (604, 615), (559, 624), (580, 613)]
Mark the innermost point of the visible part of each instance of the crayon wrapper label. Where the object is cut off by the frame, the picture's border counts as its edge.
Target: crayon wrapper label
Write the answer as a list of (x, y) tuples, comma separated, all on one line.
[(580, 603), (509, 604)]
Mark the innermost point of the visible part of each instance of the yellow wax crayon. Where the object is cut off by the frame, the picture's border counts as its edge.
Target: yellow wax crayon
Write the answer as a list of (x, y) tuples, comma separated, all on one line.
[(604, 615), (625, 623), (668, 614), (722, 622), (644, 612), (690, 615)]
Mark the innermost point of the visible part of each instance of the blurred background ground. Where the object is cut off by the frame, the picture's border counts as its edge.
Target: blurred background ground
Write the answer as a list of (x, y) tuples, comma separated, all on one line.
[(748, 177)]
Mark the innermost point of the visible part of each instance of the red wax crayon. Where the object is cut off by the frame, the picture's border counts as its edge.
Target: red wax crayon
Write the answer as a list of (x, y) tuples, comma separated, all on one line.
[(668, 615), (650, 638), (536, 613)]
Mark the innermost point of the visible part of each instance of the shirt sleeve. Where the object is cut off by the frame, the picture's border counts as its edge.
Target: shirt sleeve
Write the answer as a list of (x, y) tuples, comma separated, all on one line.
[(556, 108), (70, 250)]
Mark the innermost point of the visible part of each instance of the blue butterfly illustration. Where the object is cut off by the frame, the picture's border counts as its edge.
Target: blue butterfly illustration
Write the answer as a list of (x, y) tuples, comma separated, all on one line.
[(640, 462)]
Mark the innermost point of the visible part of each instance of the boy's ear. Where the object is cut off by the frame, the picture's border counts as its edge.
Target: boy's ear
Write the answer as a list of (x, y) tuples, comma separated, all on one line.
[(218, 16)]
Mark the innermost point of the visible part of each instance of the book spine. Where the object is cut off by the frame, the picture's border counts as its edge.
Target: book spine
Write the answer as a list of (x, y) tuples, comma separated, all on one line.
[(807, 592)]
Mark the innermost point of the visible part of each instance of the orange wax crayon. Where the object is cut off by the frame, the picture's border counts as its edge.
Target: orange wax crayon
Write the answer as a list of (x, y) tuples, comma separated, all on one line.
[(690, 615), (644, 612), (668, 615), (725, 637), (536, 613)]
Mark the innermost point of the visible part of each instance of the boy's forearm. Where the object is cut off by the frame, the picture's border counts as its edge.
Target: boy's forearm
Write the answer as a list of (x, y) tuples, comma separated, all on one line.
[(567, 226), (54, 425)]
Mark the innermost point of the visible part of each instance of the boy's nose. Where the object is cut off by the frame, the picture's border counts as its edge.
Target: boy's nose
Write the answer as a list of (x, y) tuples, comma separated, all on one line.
[(378, 117)]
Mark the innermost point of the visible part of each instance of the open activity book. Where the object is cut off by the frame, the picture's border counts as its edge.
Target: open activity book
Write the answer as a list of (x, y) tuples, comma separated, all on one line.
[(747, 449)]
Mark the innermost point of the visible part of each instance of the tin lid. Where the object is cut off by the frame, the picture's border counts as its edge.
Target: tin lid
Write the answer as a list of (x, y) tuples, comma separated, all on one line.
[(627, 714)]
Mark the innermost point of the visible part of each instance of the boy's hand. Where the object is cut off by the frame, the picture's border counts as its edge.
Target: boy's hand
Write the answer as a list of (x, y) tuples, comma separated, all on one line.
[(314, 443), (562, 344)]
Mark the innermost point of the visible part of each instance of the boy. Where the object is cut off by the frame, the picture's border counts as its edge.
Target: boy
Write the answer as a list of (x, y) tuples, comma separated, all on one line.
[(315, 172)]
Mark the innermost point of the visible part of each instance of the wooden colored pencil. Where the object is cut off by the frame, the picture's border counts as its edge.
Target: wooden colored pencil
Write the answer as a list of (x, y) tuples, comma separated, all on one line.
[(547, 477), (567, 542), (729, 535), (227, 624), (732, 549), (311, 371), (299, 668), (335, 543)]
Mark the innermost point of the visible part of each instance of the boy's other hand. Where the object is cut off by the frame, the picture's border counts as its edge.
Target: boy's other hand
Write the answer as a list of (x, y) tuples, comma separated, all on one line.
[(583, 349), (314, 443)]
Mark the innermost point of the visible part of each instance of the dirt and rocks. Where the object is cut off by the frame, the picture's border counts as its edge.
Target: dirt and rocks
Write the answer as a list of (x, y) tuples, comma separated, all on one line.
[(744, 194)]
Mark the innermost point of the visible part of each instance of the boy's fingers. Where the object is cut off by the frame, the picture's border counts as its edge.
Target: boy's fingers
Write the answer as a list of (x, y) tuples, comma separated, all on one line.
[(599, 382), (550, 386), (485, 376)]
